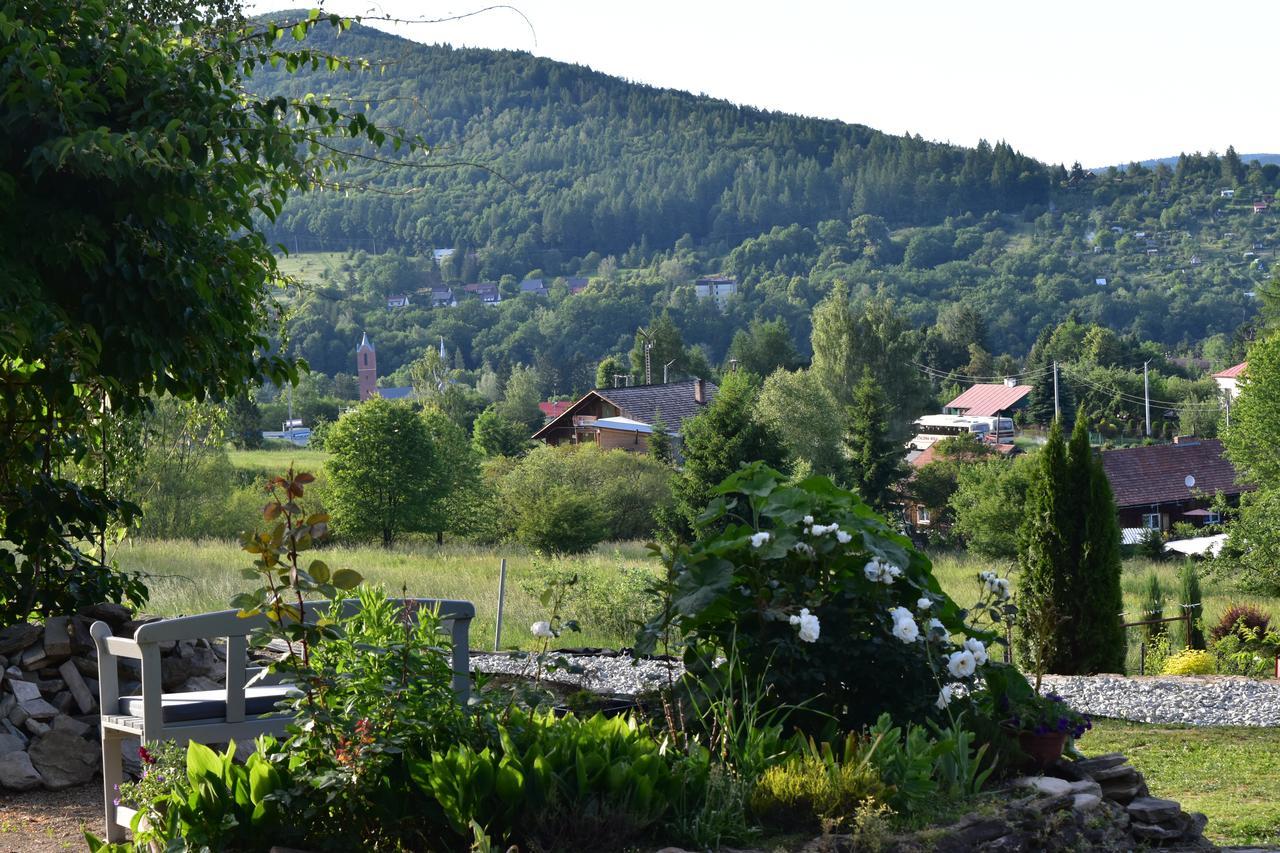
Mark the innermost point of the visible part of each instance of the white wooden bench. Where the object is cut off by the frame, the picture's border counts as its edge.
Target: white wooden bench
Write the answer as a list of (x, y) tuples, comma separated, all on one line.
[(243, 710)]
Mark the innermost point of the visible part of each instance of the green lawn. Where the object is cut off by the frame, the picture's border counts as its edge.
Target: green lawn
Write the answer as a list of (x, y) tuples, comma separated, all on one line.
[(1230, 774), (276, 461), (187, 576), (308, 266)]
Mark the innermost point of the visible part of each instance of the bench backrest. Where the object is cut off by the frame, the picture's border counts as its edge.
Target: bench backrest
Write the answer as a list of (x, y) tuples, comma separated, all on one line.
[(228, 625)]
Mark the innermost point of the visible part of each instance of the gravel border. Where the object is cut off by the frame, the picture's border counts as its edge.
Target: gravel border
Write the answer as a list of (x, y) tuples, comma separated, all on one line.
[(1225, 700), (1185, 700)]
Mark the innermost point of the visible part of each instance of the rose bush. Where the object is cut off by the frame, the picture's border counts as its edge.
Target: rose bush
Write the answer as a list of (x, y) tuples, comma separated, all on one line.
[(825, 602)]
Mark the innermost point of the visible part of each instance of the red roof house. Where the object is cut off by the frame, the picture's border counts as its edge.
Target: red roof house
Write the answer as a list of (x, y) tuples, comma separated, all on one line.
[(554, 409), (1160, 484), (986, 401)]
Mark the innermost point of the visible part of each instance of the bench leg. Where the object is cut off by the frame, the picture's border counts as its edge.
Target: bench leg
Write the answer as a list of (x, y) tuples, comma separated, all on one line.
[(112, 777)]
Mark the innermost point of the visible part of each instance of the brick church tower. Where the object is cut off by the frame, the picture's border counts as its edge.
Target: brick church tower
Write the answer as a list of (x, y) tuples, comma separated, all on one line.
[(366, 368)]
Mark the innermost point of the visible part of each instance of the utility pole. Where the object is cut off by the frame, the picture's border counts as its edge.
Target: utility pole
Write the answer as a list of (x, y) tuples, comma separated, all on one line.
[(1057, 412), (648, 363), (665, 368), (1146, 395)]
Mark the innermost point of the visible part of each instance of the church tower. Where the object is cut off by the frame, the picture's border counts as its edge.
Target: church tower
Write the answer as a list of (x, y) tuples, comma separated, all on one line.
[(366, 368)]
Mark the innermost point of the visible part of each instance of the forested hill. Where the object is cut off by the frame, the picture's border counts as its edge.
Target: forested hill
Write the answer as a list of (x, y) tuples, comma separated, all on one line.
[(576, 162)]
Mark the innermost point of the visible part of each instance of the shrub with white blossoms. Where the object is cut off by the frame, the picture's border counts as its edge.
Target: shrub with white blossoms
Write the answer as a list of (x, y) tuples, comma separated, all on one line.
[(822, 600)]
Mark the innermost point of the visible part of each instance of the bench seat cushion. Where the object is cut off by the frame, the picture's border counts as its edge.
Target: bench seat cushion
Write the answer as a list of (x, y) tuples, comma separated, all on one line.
[(210, 704)]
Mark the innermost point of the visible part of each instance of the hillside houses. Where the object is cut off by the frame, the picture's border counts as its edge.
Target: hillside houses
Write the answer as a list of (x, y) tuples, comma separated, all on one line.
[(1160, 485), (623, 418)]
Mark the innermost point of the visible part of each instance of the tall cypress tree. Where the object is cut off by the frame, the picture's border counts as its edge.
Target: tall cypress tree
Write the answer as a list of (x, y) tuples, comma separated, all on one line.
[(1043, 553), (874, 461), (1070, 557), (1100, 640), (659, 440)]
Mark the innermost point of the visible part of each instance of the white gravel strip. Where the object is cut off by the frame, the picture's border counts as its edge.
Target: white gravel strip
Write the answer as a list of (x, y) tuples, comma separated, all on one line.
[(600, 673), (1189, 700)]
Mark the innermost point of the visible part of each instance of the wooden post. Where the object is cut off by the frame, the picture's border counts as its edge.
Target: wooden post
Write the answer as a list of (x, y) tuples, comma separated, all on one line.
[(1142, 658), (502, 591)]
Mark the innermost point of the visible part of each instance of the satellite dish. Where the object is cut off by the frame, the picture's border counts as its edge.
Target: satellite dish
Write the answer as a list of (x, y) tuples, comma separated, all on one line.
[(1190, 481)]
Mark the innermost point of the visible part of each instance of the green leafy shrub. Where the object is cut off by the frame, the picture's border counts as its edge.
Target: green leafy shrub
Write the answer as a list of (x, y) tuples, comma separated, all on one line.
[(1247, 651), (563, 521), (783, 561), (806, 791), (1189, 662), (561, 783)]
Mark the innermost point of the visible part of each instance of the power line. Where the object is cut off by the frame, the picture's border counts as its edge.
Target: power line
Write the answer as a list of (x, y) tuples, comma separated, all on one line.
[(1131, 398), (945, 374)]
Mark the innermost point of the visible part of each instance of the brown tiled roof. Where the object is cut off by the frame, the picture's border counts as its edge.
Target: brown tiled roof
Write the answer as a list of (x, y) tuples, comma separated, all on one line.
[(643, 402), (984, 401), (1231, 372), (1142, 476)]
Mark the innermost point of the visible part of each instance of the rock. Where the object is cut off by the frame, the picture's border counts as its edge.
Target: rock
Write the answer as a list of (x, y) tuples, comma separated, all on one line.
[(1100, 762), (970, 832), (11, 743), (1086, 786), (114, 615), (36, 727), (1154, 832), (70, 725), (18, 716), (7, 704), (1122, 793), (17, 637), (75, 683), (34, 657), (88, 667), (1051, 804), (1043, 784), (57, 639), (81, 639), (1117, 773), (1066, 770), (63, 701), (9, 728), (200, 682), (1085, 802), (17, 772), (174, 671), (1153, 810), (64, 760)]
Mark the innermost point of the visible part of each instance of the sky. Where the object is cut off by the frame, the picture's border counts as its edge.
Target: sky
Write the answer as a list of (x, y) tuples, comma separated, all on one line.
[(1098, 82)]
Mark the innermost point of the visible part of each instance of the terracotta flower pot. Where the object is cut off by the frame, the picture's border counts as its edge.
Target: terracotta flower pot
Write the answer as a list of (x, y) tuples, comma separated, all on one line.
[(1042, 750)]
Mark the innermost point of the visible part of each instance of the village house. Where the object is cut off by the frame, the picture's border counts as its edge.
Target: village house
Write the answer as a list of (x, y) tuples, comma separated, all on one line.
[(990, 400), (442, 297), (485, 291), (622, 418), (534, 286), (716, 287), (1160, 485), (398, 300), (577, 284), (1226, 380), (552, 409)]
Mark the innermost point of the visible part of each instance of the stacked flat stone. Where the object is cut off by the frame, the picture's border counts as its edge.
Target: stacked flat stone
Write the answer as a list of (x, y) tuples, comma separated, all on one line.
[(49, 695)]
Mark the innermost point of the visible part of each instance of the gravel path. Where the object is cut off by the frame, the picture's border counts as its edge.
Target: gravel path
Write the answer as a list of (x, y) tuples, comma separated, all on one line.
[(601, 673), (1191, 700)]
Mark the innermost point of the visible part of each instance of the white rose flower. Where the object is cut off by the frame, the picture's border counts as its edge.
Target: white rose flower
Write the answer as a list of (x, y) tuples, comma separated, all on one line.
[(1002, 587), (808, 625), (904, 627), (824, 529), (987, 577), (944, 696), (758, 539), (542, 629), (843, 538), (808, 519), (961, 664), (924, 604), (880, 571), (979, 651), (936, 627), (803, 548), (892, 573)]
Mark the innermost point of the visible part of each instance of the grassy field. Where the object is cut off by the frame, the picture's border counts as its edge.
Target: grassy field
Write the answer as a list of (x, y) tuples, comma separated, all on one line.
[(1230, 774), (957, 573), (198, 576), (308, 266), (276, 461)]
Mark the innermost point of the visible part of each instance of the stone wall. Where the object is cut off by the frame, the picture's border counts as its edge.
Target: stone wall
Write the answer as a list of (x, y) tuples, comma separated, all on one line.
[(49, 695)]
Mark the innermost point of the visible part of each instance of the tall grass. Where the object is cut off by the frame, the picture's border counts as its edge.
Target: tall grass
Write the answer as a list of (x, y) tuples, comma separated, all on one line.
[(957, 572), (186, 577), (277, 461)]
